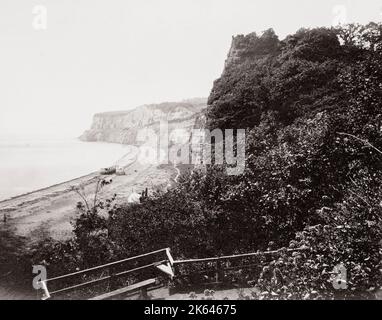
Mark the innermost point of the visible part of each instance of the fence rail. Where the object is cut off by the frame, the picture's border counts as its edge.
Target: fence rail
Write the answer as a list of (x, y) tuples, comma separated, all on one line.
[(168, 263), (110, 267), (237, 256), (104, 266)]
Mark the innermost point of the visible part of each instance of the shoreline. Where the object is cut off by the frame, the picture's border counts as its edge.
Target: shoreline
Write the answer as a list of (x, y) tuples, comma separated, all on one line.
[(49, 187), (48, 212), (65, 178)]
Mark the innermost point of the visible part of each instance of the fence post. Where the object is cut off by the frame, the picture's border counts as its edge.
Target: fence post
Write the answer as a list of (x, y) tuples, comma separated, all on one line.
[(144, 295), (113, 280), (46, 294), (218, 271)]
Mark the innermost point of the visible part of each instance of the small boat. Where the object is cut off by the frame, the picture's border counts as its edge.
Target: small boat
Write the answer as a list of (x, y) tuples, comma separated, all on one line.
[(120, 171), (108, 171)]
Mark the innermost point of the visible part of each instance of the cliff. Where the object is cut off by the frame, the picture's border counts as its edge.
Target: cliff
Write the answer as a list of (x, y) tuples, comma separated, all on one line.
[(251, 47), (123, 126)]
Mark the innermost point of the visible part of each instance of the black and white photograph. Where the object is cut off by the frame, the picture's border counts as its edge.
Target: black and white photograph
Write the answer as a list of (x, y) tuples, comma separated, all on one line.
[(190, 151)]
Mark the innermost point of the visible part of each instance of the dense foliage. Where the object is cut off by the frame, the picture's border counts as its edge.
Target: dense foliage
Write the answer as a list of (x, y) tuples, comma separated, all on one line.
[(311, 105)]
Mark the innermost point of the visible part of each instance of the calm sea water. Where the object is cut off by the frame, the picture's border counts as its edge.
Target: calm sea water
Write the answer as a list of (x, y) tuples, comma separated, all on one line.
[(30, 164)]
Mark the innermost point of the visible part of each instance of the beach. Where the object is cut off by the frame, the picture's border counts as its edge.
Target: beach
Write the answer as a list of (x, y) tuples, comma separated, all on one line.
[(48, 212), (32, 163)]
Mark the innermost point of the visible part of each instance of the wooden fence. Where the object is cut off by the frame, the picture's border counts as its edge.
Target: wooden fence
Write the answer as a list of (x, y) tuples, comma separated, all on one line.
[(167, 265), (112, 269)]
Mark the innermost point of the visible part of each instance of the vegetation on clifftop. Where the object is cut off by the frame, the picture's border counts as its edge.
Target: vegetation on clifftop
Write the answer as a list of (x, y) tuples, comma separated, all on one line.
[(311, 105)]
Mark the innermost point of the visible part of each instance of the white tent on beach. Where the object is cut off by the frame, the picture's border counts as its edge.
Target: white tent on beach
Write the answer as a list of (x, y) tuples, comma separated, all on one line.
[(134, 198)]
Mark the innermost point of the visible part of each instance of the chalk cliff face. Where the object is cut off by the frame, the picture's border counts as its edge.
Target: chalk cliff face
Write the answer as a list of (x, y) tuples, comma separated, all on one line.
[(123, 126)]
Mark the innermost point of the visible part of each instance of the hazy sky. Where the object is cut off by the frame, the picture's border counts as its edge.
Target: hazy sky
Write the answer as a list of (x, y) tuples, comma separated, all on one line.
[(101, 55)]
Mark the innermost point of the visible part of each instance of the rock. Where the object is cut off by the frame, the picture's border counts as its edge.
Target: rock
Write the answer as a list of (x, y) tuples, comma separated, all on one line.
[(123, 126)]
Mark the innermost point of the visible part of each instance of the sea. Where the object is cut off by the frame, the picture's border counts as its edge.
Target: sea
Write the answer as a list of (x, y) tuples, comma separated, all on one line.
[(28, 164)]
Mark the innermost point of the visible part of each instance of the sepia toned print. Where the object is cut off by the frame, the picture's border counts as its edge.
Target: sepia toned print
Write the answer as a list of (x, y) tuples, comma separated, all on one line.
[(190, 150)]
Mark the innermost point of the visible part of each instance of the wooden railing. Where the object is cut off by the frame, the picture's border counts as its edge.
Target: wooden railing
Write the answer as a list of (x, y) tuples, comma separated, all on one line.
[(167, 264), (219, 269), (111, 269)]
